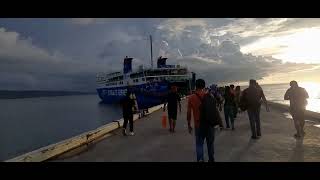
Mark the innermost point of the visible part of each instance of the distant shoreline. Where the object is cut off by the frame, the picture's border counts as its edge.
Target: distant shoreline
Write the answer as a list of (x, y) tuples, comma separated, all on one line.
[(8, 94)]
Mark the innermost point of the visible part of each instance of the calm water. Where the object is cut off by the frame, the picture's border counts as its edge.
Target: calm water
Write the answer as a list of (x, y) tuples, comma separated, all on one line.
[(29, 124)]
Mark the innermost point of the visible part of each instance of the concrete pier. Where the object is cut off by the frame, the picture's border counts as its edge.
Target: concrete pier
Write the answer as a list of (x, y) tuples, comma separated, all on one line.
[(152, 143)]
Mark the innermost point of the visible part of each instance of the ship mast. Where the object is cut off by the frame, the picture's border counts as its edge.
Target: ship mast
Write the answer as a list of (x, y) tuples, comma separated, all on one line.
[(151, 52)]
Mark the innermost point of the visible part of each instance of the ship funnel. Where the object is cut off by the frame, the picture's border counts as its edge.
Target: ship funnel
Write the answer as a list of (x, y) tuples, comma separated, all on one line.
[(161, 63), (127, 65)]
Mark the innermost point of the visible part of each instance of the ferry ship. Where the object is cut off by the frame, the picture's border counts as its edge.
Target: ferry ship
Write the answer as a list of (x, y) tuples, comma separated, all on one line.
[(150, 85)]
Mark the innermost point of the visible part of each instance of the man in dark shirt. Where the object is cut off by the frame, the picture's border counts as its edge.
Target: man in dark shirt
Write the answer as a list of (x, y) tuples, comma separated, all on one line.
[(298, 101), (228, 107), (254, 95), (173, 100), (128, 109)]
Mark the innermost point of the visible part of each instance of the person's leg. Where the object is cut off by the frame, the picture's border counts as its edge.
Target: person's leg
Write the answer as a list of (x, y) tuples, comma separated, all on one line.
[(235, 111), (170, 121), (296, 121), (231, 116), (257, 120), (174, 118), (297, 126), (131, 123), (124, 127), (302, 121), (252, 123), (226, 116), (210, 143), (199, 145)]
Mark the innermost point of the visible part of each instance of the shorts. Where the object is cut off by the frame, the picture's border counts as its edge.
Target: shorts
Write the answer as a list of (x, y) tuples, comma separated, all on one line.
[(297, 113), (172, 114)]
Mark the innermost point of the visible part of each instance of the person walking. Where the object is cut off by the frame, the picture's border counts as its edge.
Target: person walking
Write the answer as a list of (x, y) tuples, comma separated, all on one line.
[(214, 91), (298, 101), (173, 100), (252, 97), (202, 106), (229, 107), (129, 106), (237, 101)]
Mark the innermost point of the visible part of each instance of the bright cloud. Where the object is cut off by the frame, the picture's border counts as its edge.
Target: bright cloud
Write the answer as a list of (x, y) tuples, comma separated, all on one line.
[(301, 46)]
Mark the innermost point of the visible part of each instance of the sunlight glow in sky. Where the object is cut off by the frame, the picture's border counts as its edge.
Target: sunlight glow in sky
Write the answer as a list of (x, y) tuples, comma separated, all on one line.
[(300, 47)]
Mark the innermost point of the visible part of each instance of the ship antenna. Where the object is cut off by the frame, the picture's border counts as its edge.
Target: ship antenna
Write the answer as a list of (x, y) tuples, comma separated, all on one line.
[(151, 52)]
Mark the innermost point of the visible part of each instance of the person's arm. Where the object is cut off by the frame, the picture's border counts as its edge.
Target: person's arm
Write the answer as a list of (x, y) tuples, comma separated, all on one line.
[(135, 102), (286, 95), (164, 107), (265, 101), (189, 116), (164, 100), (306, 94)]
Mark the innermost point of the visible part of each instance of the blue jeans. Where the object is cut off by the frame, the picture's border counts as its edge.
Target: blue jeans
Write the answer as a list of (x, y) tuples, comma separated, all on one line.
[(229, 114), (209, 137), (254, 118)]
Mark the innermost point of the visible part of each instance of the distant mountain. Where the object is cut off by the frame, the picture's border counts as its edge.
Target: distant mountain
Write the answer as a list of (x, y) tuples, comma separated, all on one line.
[(7, 94)]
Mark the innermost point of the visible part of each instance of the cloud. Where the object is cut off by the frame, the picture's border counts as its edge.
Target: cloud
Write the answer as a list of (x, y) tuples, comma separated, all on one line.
[(211, 47), (91, 21), (216, 55), (83, 21), (26, 66)]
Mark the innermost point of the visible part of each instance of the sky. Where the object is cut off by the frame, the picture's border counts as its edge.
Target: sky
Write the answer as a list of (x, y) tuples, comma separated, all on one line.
[(66, 54)]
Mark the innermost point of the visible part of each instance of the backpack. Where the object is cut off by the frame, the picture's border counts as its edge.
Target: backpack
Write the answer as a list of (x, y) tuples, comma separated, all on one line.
[(209, 114), (243, 104), (251, 97)]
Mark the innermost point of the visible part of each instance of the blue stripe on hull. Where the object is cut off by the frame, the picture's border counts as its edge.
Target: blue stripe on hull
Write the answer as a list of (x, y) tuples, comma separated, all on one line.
[(147, 95)]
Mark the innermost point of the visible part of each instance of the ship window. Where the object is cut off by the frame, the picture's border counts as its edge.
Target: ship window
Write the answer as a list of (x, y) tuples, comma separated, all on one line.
[(150, 78), (143, 79), (137, 80), (136, 75)]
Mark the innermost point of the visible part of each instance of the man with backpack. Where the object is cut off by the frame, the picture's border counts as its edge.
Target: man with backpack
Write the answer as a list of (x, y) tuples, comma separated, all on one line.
[(251, 102), (206, 116)]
